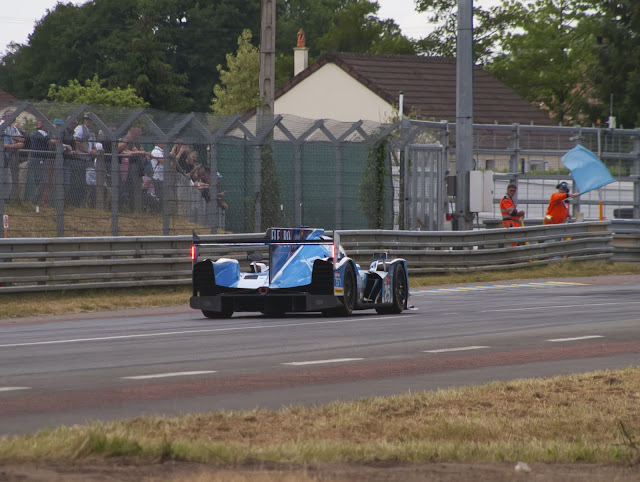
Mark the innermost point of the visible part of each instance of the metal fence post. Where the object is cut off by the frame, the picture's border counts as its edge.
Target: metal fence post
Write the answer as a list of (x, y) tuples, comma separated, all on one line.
[(636, 174)]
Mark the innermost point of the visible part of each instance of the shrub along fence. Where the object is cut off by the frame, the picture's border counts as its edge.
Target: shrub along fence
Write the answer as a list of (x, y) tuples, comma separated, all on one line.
[(50, 264)]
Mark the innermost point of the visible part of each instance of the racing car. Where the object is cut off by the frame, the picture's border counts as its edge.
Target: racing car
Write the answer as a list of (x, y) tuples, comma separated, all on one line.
[(306, 271)]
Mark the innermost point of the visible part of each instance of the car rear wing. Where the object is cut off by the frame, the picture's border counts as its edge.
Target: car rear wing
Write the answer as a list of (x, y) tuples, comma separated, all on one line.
[(275, 236)]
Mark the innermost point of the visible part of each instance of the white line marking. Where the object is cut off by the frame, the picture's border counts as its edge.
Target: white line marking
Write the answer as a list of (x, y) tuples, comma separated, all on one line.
[(546, 308), (317, 362), (9, 389), (461, 348), (568, 283), (164, 375), (212, 330), (577, 338)]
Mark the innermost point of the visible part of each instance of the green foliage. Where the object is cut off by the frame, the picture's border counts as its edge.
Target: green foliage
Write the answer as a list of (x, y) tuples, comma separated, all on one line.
[(169, 50), (489, 24), (547, 58), (270, 190), (617, 76), (543, 49), (372, 199), (166, 49), (144, 64), (239, 91), (355, 28), (92, 92)]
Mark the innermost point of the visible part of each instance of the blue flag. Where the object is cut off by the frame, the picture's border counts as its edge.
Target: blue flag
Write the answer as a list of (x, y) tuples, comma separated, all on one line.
[(587, 170)]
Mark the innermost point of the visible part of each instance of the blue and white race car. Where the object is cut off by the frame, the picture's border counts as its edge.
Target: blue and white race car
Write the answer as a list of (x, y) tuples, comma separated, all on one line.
[(306, 271)]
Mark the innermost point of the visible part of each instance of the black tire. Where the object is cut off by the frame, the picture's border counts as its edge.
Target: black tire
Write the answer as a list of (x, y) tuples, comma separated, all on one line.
[(400, 292), (350, 292), (273, 313), (217, 315)]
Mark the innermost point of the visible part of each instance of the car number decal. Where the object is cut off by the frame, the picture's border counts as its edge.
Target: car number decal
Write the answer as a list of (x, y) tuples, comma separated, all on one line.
[(386, 296)]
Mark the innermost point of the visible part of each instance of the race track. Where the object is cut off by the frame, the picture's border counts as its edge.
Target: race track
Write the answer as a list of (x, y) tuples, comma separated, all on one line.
[(169, 361)]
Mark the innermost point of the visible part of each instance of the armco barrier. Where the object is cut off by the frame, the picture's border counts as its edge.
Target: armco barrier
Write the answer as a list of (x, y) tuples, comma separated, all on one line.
[(48, 264)]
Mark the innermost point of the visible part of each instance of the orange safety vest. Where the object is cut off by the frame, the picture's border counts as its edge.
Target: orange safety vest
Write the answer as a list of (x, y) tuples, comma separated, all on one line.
[(510, 218), (558, 210)]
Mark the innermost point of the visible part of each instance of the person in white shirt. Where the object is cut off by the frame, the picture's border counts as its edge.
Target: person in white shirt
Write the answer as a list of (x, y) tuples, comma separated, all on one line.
[(157, 162), (84, 160)]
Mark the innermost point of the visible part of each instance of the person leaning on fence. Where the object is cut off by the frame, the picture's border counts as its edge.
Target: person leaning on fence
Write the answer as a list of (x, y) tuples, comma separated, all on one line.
[(511, 217), (558, 209), (221, 203), (13, 141), (85, 155)]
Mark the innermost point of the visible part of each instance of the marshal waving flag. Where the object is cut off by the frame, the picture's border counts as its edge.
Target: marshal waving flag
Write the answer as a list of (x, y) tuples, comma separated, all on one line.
[(587, 170)]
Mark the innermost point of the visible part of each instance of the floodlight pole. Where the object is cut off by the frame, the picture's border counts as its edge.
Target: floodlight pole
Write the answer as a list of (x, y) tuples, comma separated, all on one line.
[(464, 113)]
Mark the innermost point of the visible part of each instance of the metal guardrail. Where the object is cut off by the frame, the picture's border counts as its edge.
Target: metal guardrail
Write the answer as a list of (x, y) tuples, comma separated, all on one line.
[(54, 264)]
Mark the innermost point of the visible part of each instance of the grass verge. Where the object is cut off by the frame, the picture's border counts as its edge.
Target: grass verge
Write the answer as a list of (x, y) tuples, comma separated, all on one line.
[(590, 418)]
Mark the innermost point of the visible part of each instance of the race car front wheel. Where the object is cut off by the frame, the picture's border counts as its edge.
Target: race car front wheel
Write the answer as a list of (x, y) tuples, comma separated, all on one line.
[(350, 293), (400, 291)]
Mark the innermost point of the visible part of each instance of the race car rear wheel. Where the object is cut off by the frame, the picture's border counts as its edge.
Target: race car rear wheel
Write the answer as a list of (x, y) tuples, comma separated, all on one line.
[(350, 293), (400, 291), (217, 314)]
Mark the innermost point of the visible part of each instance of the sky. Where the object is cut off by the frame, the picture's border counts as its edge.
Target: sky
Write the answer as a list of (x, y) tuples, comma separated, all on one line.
[(18, 21)]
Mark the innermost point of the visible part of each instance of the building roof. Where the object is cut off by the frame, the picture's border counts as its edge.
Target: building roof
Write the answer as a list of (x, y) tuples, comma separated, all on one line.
[(429, 87), (7, 99)]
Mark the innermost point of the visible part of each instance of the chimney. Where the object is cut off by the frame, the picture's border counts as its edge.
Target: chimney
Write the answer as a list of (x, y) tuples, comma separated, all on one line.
[(300, 55)]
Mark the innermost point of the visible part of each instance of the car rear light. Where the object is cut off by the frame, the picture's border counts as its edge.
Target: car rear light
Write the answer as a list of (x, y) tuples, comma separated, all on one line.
[(193, 252), (449, 217)]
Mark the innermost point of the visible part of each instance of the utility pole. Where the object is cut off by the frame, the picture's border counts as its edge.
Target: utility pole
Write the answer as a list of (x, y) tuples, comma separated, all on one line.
[(267, 59), (464, 113), (265, 109)]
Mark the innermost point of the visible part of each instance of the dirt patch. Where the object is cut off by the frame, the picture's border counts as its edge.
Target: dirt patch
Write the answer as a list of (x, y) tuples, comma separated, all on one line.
[(383, 472)]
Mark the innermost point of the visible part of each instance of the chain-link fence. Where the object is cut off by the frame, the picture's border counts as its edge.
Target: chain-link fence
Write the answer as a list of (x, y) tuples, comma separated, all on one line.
[(84, 170), (79, 170)]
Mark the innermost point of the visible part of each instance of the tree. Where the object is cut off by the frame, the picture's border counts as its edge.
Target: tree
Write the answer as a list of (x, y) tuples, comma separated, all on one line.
[(489, 26), (168, 50), (238, 91), (372, 186), (548, 59), (143, 63), (543, 49), (355, 28), (617, 75), (160, 47), (200, 34), (92, 92)]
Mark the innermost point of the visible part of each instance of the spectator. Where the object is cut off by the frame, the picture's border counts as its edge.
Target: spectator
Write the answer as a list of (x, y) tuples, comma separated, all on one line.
[(38, 165), (85, 158), (201, 180), (43, 198), (91, 177), (133, 166), (558, 209), (191, 163), (181, 151), (13, 141), (221, 204), (157, 163)]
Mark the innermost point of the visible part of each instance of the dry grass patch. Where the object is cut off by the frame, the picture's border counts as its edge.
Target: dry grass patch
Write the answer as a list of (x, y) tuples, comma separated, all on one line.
[(88, 301), (591, 418), (25, 222)]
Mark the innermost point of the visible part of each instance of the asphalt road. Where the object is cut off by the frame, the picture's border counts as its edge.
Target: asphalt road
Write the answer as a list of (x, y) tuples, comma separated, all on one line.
[(106, 366)]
